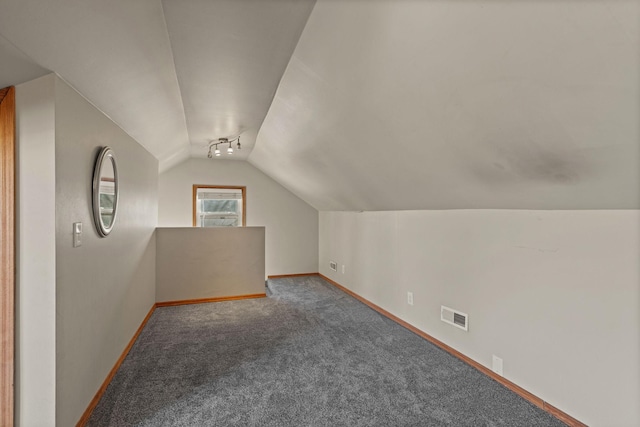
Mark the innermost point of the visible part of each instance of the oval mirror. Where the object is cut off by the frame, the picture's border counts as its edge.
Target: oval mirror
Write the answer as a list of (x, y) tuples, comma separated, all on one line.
[(105, 191)]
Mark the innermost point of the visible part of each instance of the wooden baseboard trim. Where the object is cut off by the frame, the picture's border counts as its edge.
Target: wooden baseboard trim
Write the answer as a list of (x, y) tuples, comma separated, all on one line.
[(206, 300), (562, 416), (284, 276), (94, 402)]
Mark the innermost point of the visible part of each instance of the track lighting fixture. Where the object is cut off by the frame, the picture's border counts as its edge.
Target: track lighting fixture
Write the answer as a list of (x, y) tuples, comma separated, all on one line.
[(214, 144)]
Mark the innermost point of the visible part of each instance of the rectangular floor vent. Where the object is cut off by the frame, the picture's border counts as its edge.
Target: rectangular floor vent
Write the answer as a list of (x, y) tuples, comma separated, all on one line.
[(454, 317), (333, 265)]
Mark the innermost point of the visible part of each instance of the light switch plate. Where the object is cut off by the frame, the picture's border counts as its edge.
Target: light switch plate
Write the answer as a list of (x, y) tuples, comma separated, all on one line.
[(77, 234)]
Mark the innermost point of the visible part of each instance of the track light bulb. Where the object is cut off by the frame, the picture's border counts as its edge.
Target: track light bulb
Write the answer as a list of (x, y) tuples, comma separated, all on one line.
[(213, 144)]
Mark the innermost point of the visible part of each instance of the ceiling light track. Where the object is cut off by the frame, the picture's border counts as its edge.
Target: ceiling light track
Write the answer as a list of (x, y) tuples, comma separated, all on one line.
[(223, 141)]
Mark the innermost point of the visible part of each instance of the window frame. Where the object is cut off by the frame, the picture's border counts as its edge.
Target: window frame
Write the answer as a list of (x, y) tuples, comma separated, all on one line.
[(194, 202)]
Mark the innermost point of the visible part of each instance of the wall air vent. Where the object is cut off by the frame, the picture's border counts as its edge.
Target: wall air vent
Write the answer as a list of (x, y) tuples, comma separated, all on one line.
[(333, 265), (454, 317)]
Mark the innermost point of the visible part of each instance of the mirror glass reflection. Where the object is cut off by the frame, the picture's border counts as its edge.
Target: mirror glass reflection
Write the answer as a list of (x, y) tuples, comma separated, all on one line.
[(105, 192)]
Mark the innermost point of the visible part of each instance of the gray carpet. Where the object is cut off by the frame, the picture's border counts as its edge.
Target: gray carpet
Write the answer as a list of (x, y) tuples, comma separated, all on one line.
[(309, 355)]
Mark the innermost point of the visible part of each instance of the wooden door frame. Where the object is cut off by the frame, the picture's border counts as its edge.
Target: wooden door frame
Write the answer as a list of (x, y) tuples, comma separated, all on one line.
[(7, 253)]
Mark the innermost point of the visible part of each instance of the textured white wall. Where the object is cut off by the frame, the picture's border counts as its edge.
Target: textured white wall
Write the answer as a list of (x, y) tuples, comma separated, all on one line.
[(106, 287), (555, 294), (184, 267), (291, 224), (36, 260)]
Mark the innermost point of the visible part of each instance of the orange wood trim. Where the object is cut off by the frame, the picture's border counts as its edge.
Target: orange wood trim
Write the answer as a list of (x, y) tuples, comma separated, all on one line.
[(206, 300), (284, 276), (563, 416), (194, 194), (224, 187), (7, 253), (572, 422), (244, 206), (94, 402)]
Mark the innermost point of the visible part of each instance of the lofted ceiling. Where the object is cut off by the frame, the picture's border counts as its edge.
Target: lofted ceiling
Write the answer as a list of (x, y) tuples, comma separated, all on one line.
[(393, 105), (15, 66), (364, 105), (174, 74)]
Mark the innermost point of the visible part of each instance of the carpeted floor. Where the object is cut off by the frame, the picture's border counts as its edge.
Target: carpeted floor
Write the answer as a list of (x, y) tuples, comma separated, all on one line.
[(309, 355)]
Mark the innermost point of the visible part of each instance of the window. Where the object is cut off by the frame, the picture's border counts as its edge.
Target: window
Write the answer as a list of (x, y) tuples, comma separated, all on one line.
[(219, 206), (107, 194)]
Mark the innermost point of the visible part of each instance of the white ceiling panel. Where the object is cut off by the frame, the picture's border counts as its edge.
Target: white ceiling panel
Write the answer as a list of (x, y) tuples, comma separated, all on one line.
[(116, 53), (401, 104), (441, 105), (15, 66), (230, 56), (127, 58)]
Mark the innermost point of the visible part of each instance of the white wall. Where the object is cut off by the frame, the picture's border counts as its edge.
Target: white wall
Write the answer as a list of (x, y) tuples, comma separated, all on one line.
[(77, 308), (291, 224), (106, 287), (553, 293), (184, 267), (36, 262)]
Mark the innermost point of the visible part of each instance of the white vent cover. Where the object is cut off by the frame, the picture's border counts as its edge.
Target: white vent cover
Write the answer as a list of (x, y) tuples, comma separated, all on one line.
[(333, 265), (454, 317)]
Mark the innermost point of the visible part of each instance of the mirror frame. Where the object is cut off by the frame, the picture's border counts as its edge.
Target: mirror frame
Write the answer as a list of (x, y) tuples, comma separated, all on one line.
[(105, 154)]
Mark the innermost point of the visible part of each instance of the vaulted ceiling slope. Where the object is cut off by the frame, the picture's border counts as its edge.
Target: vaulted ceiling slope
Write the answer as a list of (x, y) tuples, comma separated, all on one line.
[(174, 74), (230, 56), (15, 66), (404, 104)]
